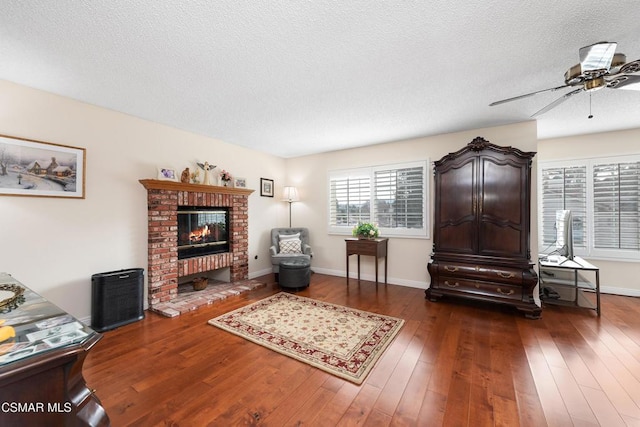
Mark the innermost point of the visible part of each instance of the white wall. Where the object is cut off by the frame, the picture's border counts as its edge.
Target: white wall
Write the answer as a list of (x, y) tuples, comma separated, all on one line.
[(615, 277), (54, 245), (407, 257)]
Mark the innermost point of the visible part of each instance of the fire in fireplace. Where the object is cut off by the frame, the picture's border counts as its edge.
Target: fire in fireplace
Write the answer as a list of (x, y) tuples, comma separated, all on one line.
[(202, 231)]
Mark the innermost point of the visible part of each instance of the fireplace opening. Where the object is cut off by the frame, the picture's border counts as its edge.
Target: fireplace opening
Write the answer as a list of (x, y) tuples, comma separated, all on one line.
[(202, 231)]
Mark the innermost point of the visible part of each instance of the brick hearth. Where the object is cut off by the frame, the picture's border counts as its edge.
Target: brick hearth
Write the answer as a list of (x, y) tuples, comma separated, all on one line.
[(164, 270), (189, 300)]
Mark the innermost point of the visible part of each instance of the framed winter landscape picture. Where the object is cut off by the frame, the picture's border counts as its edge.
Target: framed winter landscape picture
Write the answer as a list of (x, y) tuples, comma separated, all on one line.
[(36, 168)]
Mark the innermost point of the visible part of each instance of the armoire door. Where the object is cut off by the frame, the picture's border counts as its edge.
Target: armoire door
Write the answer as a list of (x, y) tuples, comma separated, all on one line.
[(503, 211), (456, 227)]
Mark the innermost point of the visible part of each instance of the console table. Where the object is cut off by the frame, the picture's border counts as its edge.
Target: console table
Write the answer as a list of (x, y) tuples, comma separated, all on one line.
[(41, 380), (548, 265), (374, 247)]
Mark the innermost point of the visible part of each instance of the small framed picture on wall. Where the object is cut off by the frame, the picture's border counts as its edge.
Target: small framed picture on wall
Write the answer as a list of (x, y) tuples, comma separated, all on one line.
[(266, 187)]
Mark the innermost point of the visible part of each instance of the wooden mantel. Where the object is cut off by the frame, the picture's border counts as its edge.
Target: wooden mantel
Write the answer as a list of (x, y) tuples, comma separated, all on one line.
[(159, 184)]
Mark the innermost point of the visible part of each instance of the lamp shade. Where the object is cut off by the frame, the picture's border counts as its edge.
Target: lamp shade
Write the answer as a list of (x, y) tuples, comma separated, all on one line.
[(290, 194)]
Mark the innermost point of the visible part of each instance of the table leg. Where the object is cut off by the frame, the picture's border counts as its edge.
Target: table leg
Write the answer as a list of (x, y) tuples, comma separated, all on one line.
[(358, 267), (376, 270), (347, 269), (575, 283), (598, 292), (385, 269)]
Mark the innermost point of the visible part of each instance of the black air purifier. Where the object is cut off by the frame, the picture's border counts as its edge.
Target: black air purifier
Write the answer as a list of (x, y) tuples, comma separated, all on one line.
[(116, 298)]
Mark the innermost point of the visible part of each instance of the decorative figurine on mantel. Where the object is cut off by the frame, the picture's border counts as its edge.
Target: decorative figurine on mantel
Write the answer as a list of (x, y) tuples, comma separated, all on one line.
[(195, 177), (207, 168), (186, 176)]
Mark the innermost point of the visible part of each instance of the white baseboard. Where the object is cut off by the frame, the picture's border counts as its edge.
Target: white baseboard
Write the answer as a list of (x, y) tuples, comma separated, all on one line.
[(372, 277), (424, 285), (627, 292), (263, 272)]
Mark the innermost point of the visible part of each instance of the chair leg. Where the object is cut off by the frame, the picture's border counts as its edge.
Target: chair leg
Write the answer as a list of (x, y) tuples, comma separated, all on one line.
[(277, 277)]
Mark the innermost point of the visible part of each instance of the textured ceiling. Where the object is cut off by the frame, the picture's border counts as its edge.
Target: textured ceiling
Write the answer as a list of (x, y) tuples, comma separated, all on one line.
[(300, 77)]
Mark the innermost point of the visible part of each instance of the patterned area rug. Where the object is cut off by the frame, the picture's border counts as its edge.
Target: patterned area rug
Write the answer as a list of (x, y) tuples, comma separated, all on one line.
[(340, 340)]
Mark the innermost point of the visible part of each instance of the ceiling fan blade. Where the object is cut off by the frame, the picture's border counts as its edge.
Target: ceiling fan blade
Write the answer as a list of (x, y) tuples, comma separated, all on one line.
[(526, 95), (557, 102), (598, 56), (625, 82), (630, 67)]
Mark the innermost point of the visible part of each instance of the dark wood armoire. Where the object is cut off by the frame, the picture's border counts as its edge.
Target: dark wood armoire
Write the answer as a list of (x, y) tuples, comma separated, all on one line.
[(481, 242)]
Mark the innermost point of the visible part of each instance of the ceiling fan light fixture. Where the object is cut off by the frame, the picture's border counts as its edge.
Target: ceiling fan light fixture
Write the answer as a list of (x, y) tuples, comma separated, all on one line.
[(594, 84)]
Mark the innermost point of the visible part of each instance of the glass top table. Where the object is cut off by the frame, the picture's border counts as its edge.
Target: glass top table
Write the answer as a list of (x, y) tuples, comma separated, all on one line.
[(38, 325)]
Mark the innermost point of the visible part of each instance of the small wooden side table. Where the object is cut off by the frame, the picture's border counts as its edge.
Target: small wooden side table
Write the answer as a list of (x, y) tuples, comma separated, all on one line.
[(374, 247)]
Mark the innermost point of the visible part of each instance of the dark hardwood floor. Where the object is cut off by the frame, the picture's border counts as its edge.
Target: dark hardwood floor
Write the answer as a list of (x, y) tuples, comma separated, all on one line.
[(454, 363)]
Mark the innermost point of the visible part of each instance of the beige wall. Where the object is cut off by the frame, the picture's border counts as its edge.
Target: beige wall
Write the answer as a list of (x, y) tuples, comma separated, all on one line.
[(54, 245), (615, 277), (407, 257)]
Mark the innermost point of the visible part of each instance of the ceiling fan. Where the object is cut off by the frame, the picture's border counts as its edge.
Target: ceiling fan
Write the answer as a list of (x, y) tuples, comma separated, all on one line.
[(600, 66)]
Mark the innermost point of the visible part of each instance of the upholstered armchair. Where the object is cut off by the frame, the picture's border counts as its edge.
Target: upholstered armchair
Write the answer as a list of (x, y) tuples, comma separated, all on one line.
[(288, 244)]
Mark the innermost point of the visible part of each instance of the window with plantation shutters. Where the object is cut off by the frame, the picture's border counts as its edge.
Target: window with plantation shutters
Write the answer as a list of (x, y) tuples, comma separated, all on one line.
[(564, 188), (604, 197), (616, 206), (350, 200), (392, 196), (399, 198)]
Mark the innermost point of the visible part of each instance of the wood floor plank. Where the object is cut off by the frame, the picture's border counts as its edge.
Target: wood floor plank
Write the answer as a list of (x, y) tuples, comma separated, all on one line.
[(511, 377), (565, 335), (481, 409), (555, 411), (602, 407), (293, 400), (504, 341), (625, 366), (505, 413), (432, 411), (459, 391), (630, 421), (338, 405), (378, 419), (625, 348), (572, 396), (357, 413), (312, 407), (441, 378), (408, 408), (454, 362), (397, 380), (613, 378), (387, 363)]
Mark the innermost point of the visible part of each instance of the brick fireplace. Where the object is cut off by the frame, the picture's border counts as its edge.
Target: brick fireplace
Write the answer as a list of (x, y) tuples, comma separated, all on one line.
[(165, 269)]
